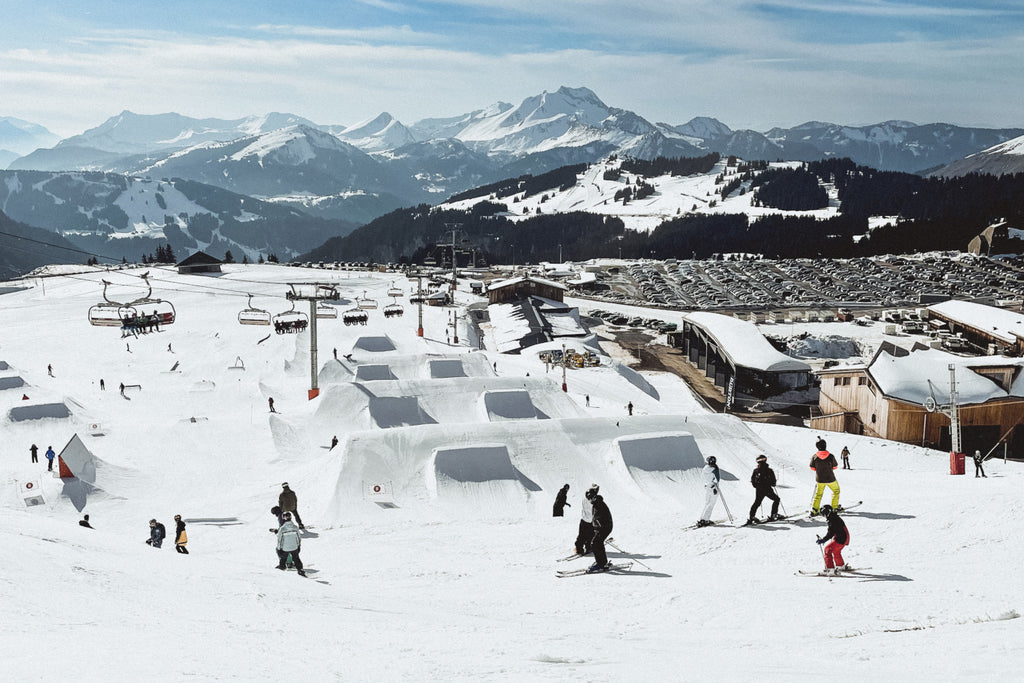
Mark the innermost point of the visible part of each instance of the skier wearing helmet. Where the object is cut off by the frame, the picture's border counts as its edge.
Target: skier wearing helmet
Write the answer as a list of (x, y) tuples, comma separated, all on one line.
[(586, 531), (711, 477), (837, 538), (763, 481), (824, 465)]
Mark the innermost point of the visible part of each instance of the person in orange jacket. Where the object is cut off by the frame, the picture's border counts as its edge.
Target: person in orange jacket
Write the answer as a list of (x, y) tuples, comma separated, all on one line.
[(824, 465)]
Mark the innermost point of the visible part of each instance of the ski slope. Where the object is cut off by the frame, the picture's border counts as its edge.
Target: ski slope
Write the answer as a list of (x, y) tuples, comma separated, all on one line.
[(431, 530)]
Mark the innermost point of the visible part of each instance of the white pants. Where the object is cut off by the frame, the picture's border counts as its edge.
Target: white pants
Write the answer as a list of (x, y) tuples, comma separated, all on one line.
[(709, 503)]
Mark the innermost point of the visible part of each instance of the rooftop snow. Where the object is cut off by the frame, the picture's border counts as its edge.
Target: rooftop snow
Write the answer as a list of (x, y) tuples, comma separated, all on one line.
[(1001, 323), (743, 343), (923, 374)]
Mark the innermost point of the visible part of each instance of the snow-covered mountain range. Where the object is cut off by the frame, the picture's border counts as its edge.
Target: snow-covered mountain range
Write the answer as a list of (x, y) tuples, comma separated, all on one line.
[(366, 169), (1004, 158)]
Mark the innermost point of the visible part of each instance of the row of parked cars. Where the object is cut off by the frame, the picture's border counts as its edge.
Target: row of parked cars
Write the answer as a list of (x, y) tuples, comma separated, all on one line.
[(614, 318)]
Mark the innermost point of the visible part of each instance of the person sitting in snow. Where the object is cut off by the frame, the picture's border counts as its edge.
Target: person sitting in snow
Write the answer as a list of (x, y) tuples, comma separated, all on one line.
[(85, 522), (837, 538), (824, 465), (711, 476)]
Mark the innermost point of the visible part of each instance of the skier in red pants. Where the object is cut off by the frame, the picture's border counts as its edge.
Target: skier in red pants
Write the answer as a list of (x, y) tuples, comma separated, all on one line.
[(838, 537)]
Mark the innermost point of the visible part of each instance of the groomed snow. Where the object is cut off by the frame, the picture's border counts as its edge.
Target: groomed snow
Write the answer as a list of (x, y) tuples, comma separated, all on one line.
[(432, 539)]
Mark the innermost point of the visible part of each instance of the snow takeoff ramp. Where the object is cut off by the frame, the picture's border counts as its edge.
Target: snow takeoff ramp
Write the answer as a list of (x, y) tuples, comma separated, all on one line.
[(510, 405), (397, 411), (369, 373), (665, 466), (447, 367), (481, 476)]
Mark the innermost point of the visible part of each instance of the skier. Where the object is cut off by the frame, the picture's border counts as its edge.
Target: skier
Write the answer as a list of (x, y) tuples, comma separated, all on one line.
[(270, 402), (85, 522), (50, 455), (334, 442), (122, 388), (711, 476), (838, 537), (824, 464), (629, 407), (180, 537), (588, 400), (103, 386), (560, 502), (49, 370), (289, 502), (157, 532), (34, 450), (586, 530), (602, 530), (846, 458), (763, 481), (289, 542), (979, 470)]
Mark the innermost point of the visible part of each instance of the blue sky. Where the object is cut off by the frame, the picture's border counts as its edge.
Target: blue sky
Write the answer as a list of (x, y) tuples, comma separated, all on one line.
[(750, 64)]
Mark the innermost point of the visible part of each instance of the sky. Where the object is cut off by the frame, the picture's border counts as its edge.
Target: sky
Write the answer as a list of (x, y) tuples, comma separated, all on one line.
[(749, 63)]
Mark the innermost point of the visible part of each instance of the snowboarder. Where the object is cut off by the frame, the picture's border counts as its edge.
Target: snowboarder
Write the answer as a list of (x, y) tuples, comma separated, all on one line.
[(979, 470), (180, 537), (85, 522), (334, 442), (629, 408), (846, 458), (838, 537), (588, 400), (157, 532), (103, 386), (289, 502), (602, 530), (289, 542), (34, 450), (49, 370), (122, 388), (586, 530), (763, 481), (824, 465), (560, 502), (50, 455), (270, 402), (335, 354), (711, 476)]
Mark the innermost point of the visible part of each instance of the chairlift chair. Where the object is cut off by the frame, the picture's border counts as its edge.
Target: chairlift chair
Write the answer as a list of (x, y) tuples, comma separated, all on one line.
[(395, 292), (290, 321), (366, 302), (253, 315), (418, 298), (325, 311), (355, 316), (161, 309), (393, 310)]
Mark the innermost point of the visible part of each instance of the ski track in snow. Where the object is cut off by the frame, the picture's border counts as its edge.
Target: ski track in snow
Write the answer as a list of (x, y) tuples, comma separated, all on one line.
[(456, 581)]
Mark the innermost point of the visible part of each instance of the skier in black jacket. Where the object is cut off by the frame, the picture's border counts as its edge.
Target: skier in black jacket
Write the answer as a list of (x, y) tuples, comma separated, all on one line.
[(561, 502), (838, 537), (763, 481), (602, 530)]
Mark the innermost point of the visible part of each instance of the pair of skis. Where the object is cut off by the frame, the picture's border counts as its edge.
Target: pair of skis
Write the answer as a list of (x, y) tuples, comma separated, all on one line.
[(850, 572), (575, 555), (611, 567)]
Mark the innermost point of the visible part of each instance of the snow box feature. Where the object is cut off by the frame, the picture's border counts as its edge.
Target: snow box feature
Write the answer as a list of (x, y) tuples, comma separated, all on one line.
[(39, 412), (510, 405), (398, 411), (448, 367), (666, 466), (481, 475), (11, 383), (368, 373)]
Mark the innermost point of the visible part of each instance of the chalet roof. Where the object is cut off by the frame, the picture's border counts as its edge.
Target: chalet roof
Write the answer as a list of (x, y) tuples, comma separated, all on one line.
[(1000, 323), (200, 258), (744, 344), (517, 280), (923, 374)]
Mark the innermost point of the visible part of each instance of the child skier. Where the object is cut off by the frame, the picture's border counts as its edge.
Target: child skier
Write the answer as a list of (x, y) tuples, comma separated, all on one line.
[(838, 537), (289, 542), (824, 465), (711, 476), (763, 481)]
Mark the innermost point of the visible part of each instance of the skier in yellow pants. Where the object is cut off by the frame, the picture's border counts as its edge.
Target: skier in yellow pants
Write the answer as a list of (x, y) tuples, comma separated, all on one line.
[(824, 465)]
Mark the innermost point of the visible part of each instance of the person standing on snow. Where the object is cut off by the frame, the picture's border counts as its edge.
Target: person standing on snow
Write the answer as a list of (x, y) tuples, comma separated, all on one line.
[(270, 402), (602, 530), (838, 537), (34, 450), (824, 465), (157, 532), (289, 502), (763, 481), (979, 470), (50, 455), (846, 458), (586, 530), (711, 476), (289, 542), (561, 502), (180, 537)]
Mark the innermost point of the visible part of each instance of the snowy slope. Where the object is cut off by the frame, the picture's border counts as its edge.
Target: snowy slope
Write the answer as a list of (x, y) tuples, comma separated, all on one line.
[(448, 572)]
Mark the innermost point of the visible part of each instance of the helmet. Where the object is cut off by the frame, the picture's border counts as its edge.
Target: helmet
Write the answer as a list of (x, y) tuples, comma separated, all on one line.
[(826, 510), (712, 460), (761, 458), (177, 516)]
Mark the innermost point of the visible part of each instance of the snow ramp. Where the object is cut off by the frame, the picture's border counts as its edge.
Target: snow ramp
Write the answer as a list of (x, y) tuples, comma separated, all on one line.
[(510, 405), (39, 411), (397, 411), (447, 367), (381, 344), (667, 466), (481, 476), (377, 371), (11, 383)]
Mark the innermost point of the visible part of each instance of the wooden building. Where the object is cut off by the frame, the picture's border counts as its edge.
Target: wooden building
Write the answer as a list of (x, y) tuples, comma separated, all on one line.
[(199, 262), (517, 288), (998, 330), (889, 398)]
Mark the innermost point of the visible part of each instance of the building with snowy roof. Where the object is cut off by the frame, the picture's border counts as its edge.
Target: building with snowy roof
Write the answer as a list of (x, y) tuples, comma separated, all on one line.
[(737, 358), (995, 329), (890, 398), (522, 287), (199, 262)]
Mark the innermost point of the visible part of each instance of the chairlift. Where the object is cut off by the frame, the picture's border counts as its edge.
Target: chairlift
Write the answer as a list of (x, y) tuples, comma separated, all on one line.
[(366, 302), (395, 292), (290, 321), (253, 315), (355, 316), (156, 312), (109, 313), (325, 311), (393, 310)]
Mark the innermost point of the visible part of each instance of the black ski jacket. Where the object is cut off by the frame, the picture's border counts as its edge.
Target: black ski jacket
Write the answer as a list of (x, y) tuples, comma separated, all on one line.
[(763, 477), (823, 463), (602, 515), (837, 530)]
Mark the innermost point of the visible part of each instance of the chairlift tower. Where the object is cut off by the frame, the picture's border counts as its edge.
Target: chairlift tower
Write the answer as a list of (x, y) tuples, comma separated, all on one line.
[(952, 411), (313, 292)]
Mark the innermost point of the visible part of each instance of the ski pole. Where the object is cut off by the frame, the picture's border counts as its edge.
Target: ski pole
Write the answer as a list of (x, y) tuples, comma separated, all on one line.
[(727, 513), (820, 547), (786, 514), (609, 542)]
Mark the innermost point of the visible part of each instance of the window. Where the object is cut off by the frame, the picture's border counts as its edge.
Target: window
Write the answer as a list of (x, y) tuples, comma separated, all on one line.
[(861, 381)]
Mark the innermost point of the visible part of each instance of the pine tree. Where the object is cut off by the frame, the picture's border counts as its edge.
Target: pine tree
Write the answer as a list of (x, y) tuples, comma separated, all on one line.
[(228, 257)]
